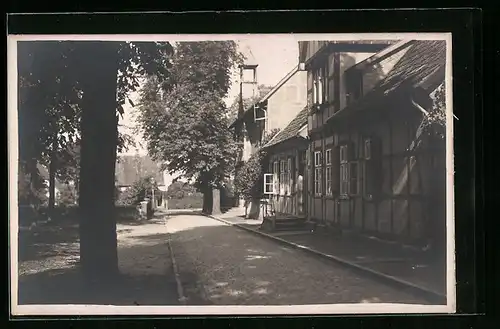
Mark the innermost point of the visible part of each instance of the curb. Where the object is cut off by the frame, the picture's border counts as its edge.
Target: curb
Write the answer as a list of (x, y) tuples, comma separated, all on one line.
[(424, 292), (180, 291)]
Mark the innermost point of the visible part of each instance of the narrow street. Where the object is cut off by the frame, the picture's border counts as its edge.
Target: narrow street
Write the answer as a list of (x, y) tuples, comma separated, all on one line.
[(219, 264)]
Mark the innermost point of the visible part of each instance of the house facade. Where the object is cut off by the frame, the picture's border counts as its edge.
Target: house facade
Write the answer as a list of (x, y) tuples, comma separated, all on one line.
[(286, 161), (370, 166), (274, 110), (131, 168)]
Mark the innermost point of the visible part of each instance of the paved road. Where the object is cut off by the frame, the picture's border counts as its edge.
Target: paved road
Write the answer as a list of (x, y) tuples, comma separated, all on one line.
[(223, 265)]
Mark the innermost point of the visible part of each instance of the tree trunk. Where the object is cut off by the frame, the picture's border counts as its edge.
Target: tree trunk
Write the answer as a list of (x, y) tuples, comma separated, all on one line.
[(52, 181), (99, 124), (254, 209), (207, 200), (216, 201)]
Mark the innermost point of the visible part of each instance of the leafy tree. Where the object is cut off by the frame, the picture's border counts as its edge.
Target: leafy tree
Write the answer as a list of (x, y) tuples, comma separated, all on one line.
[(179, 190), (435, 121), (48, 106), (186, 127), (98, 77), (249, 181)]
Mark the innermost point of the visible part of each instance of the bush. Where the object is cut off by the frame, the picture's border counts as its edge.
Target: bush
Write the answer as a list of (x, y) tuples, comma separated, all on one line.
[(139, 190), (31, 190), (190, 202), (67, 195), (248, 182)]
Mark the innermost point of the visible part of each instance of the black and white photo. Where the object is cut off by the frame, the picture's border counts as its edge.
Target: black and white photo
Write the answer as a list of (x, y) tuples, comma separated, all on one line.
[(231, 174)]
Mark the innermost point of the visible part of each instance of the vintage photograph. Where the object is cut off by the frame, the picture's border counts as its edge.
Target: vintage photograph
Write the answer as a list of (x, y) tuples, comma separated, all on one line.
[(231, 174)]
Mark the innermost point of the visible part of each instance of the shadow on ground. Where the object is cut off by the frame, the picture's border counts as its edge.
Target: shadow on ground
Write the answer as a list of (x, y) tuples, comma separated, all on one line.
[(221, 265), (48, 240), (66, 286)]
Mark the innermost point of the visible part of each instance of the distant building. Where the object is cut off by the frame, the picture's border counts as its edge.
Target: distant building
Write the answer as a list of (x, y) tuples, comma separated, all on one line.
[(130, 168)]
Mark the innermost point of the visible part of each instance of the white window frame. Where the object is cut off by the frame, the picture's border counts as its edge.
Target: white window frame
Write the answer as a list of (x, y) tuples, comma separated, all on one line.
[(328, 171), (315, 87), (283, 176), (275, 177), (343, 153), (317, 180), (318, 177), (267, 184), (317, 159), (344, 179), (367, 149), (328, 157), (344, 171), (320, 86), (328, 180)]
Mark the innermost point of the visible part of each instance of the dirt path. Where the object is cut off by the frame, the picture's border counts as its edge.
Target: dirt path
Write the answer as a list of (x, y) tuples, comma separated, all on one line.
[(48, 267)]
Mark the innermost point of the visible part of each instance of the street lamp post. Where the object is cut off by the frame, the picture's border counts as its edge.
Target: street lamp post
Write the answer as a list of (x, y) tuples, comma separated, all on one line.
[(152, 180)]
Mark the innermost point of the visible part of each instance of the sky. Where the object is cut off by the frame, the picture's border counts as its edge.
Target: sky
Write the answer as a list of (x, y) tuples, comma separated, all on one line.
[(276, 55)]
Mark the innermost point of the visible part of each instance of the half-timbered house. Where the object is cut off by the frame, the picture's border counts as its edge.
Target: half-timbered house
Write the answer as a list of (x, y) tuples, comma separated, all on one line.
[(370, 167), (285, 179)]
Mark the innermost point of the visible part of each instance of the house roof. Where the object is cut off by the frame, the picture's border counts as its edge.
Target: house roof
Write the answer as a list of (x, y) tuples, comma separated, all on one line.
[(272, 91), (130, 168), (291, 130), (424, 61)]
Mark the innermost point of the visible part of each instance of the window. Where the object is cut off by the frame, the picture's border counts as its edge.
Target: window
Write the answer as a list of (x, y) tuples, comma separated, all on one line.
[(268, 183), (328, 157), (275, 177), (367, 149), (317, 159), (283, 177), (328, 172), (353, 178), (344, 179), (349, 173), (372, 167), (289, 176), (317, 173), (354, 84), (328, 180), (320, 86)]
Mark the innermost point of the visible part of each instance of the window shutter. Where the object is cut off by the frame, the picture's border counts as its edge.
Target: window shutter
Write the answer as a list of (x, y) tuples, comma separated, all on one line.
[(335, 170)]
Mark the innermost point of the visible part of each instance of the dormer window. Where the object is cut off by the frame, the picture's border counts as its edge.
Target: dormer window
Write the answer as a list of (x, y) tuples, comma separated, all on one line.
[(320, 86), (354, 85)]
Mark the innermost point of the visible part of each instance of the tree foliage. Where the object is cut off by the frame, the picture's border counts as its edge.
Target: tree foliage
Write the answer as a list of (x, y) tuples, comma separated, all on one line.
[(186, 126), (179, 190), (249, 180), (49, 106), (79, 88), (435, 121)]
